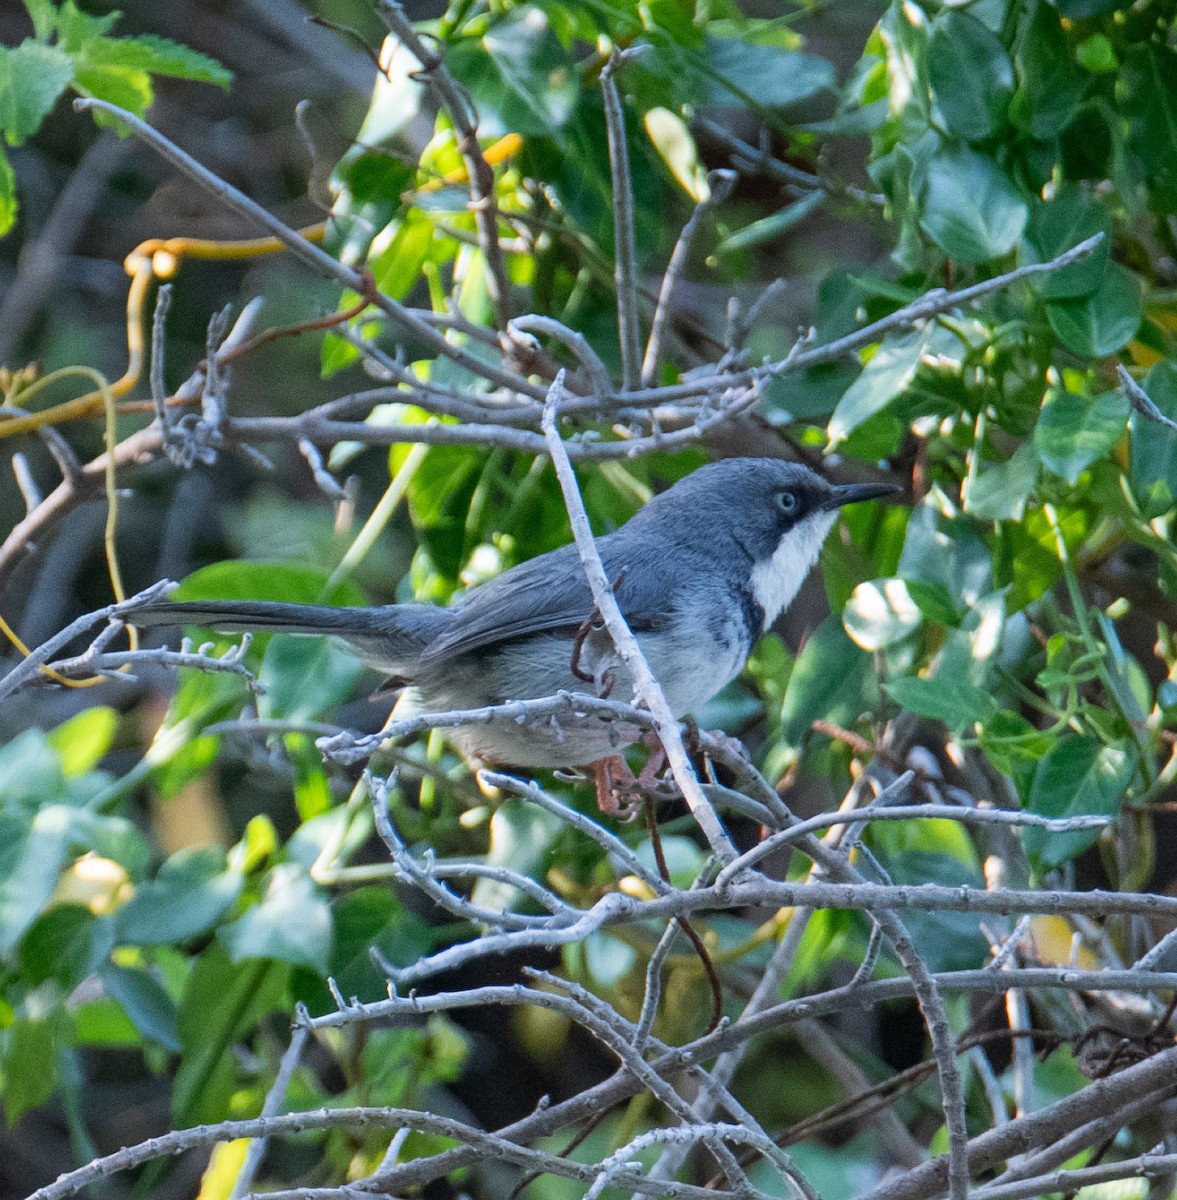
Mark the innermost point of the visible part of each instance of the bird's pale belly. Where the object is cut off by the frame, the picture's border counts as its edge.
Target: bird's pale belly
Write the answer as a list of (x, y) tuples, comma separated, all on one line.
[(690, 668)]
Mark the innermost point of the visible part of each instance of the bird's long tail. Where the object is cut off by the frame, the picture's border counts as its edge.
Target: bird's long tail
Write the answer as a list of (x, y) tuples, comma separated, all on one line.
[(391, 637)]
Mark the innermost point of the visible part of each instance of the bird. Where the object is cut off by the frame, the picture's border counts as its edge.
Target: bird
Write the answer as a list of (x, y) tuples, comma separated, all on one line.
[(700, 573)]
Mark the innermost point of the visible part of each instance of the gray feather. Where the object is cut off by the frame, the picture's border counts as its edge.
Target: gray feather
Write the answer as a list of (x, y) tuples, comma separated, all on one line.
[(390, 637)]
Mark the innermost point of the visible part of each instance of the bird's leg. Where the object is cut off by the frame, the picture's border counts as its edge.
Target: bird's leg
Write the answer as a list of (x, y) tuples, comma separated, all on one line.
[(618, 793), (694, 741)]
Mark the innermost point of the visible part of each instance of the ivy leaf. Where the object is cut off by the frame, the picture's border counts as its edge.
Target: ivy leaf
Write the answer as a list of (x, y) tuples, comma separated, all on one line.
[(881, 614), (970, 73), (31, 858), (520, 77), (1154, 446), (291, 923), (1000, 492), (890, 370), (1056, 225), (1105, 321), (1078, 776), (143, 999), (191, 893), (767, 76), (32, 77), (1073, 431), (969, 207), (832, 679)]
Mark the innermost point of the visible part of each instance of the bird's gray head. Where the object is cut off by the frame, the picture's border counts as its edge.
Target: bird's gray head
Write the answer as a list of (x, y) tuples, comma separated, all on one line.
[(766, 518)]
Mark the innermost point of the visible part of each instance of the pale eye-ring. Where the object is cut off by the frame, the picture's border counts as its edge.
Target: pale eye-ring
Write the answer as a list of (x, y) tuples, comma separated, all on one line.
[(788, 503)]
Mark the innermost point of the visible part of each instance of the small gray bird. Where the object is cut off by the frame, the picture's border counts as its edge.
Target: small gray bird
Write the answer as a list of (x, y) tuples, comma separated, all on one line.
[(699, 573)]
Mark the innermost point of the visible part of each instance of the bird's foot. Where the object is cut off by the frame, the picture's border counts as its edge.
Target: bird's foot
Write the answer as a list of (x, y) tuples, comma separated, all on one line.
[(617, 788)]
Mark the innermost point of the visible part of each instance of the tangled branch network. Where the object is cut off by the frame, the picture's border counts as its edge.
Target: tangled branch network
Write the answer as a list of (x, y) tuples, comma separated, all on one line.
[(526, 403)]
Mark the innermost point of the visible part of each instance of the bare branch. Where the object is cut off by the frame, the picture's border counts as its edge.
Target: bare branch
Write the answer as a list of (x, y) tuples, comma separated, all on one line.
[(646, 687)]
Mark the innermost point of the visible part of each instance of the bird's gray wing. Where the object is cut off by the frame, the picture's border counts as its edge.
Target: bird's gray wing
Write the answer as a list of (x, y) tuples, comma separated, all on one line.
[(549, 593)]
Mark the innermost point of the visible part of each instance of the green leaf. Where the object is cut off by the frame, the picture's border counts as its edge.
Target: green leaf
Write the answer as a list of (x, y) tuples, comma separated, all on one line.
[(970, 73), (143, 999), (291, 923), (83, 740), (671, 136), (1154, 446), (956, 702), (30, 772), (888, 373), (43, 14), (1056, 225), (1148, 87), (155, 56), (769, 228), (1050, 86), (521, 838), (124, 86), (1073, 431), (766, 76), (265, 581), (366, 918), (304, 677), (1082, 10), (76, 29), (832, 679), (1104, 322), (222, 1000), (67, 943), (947, 568), (28, 1066), (8, 204), (32, 77), (519, 75), (191, 893), (880, 614), (1000, 492), (31, 858), (397, 268), (969, 207), (1078, 776), (948, 941)]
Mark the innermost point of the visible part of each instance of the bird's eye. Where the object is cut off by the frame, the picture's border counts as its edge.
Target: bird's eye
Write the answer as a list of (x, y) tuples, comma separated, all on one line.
[(788, 503)]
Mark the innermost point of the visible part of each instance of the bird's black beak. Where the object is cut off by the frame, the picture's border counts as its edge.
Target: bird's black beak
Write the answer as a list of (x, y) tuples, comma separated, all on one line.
[(852, 493)]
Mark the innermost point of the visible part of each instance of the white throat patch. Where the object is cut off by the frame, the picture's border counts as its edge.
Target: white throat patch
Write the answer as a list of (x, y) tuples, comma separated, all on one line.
[(776, 582)]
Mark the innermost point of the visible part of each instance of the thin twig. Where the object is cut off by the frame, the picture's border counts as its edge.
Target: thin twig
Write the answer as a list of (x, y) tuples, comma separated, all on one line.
[(646, 687), (625, 253), (719, 187)]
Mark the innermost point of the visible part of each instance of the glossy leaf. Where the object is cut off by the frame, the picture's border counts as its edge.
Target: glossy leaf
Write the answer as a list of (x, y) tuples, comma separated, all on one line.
[(1078, 776), (1105, 321), (1154, 446), (291, 923), (83, 740), (881, 614), (892, 367), (1058, 224), (832, 680), (946, 568), (191, 893), (1073, 431), (151, 1009), (969, 207), (971, 74), (767, 75), (1000, 491)]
